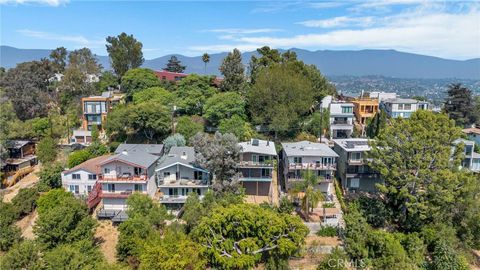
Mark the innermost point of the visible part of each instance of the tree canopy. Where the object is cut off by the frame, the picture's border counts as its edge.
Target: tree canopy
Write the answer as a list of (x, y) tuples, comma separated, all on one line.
[(239, 235), (137, 79), (174, 65), (233, 72), (125, 53), (224, 106)]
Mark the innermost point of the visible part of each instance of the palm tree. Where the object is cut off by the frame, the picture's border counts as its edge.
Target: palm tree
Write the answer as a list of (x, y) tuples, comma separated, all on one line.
[(206, 59), (312, 195)]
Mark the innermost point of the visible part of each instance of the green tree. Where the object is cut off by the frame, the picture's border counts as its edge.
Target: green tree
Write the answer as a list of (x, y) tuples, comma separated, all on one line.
[(356, 234), (79, 255), (47, 150), (133, 234), (27, 85), (206, 59), (50, 177), (173, 140), (157, 94), (459, 105), (125, 53), (279, 97), (25, 201), (193, 91), (374, 211), (237, 126), (318, 123), (188, 127), (59, 59), (446, 258), (54, 198), (25, 255), (84, 60), (222, 106), (240, 235), (336, 260), (218, 154), (107, 81), (233, 73), (96, 149), (174, 251), (142, 206), (424, 188), (174, 65), (312, 195), (376, 124), (63, 223), (9, 236), (137, 79)]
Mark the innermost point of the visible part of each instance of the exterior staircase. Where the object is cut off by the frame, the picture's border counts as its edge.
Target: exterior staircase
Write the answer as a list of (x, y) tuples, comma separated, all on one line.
[(13, 179), (94, 197)]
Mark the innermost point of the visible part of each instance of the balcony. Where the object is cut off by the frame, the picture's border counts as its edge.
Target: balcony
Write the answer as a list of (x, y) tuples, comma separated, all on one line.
[(255, 179), (253, 164), (356, 161), (116, 194), (311, 166), (105, 178), (175, 198), (174, 182)]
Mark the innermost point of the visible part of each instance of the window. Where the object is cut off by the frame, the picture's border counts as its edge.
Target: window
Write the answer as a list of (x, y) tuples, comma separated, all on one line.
[(297, 159), (173, 192), (266, 173), (111, 187), (92, 177), (347, 109), (254, 158), (138, 187), (354, 182), (198, 175), (137, 170), (407, 107), (356, 156), (106, 170), (89, 189), (400, 106), (74, 189), (166, 174), (261, 159), (76, 176)]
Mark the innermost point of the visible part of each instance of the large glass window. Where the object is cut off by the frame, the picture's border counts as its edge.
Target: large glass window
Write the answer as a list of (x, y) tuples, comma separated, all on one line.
[(76, 176), (138, 187), (347, 109), (111, 187), (297, 159)]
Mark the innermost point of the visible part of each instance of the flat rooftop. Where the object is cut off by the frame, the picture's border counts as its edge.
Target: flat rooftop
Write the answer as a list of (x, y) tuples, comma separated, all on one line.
[(353, 144)]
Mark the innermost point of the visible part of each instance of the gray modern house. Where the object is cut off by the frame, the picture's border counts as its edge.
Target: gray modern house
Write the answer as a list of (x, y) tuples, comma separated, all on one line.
[(352, 169), (178, 175), (256, 165)]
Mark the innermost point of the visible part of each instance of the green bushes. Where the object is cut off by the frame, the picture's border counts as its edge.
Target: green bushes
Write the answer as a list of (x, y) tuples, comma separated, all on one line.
[(80, 156), (25, 201), (328, 231)]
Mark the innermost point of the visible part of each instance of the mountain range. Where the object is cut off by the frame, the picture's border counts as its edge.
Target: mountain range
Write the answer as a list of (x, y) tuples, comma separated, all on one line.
[(389, 63)]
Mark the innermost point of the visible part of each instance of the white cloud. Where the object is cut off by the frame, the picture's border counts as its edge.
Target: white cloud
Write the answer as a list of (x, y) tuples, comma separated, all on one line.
[(325, 5), (341, 21), (77, 40), (426, 31), (54, 3), (243, 31), (194, 50)]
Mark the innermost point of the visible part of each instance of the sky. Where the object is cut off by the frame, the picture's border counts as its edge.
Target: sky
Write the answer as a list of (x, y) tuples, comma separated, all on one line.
[(447, 29)]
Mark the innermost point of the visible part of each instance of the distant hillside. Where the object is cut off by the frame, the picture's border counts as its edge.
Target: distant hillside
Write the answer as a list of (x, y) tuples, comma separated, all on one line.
[(389, 63)]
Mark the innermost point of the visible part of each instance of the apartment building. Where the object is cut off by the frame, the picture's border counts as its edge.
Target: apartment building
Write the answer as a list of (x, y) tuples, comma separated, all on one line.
[(304, 155), (471, 160), (352, 169), (257, 160), (178, 175), (96, 108)]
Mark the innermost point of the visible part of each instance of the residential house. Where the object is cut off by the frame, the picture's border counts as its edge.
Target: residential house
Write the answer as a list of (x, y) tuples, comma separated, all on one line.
[(96, 108), (177, 175), (153, 149), (21, 154), (341, 119), (20, 160), (170, 76), (83, 137), (304, 155), (365, 108), (352, 169), (257, 159), (471, 159), (473, 134), (402, 107), (383, 95), (120, 176), (81, 179)]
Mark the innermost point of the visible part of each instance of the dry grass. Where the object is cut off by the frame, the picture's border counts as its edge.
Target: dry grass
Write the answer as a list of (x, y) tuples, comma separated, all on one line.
[(107, 235), (26, 225), (28, 181)]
